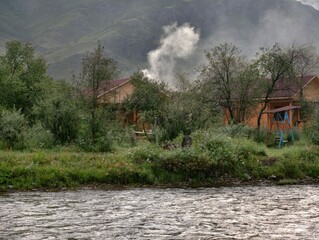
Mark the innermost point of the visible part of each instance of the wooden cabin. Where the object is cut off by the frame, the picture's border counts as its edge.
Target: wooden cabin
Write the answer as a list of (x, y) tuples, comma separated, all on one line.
[(115, 91), (288, 94)]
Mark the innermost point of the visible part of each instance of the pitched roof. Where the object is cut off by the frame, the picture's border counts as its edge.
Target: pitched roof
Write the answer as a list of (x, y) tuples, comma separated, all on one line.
[(283, 109), (108, 86), (286, 89)]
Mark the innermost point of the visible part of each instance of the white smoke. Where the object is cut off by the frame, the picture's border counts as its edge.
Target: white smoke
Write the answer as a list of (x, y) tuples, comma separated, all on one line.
[(313, 3), (177, 42)]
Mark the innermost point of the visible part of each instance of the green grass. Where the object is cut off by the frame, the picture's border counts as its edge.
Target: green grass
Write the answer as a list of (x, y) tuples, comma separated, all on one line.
[(38, 170), (222, 160)]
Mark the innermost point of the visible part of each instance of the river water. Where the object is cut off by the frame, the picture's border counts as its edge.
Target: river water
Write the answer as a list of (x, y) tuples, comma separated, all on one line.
[(290, 212)]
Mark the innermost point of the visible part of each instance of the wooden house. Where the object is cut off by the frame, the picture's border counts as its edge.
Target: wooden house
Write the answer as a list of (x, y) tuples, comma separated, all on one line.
[(288, 94), (115, 91)]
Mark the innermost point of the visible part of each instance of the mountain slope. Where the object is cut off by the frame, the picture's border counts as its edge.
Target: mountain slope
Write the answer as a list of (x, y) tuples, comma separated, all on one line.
[(63, 30)]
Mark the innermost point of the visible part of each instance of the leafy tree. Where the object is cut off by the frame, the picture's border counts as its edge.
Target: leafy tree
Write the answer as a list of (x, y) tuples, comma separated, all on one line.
[(97, 69), (170, 112), (306, 63), (147, 100), (22, 77), (187, 110), (227, 80), (275, 64), (58, 112)]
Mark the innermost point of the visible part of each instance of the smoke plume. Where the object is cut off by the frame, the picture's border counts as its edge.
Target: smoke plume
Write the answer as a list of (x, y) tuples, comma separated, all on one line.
[(176, 43), (313, 3)]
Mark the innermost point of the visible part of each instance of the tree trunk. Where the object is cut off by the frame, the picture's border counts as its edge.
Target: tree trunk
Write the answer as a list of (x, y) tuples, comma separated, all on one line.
[(261, 113)]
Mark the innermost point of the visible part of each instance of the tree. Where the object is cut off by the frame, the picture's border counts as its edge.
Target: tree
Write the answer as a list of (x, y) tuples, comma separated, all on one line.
[(97, 69), (22, 77), (171, 112), (228, 79), (148, 97), (306, 63), (275, 64), (58, 112)]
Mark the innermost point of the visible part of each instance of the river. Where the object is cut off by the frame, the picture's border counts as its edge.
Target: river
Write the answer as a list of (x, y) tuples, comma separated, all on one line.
[(271, 212)]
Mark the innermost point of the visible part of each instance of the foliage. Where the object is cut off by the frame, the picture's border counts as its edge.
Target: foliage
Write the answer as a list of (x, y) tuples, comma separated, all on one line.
[(38, 138), (313, 129), (228, 79), (103, 140), (306, 62), (212, 159), (236, 130), (212, 155), (22, 77), (275, 64), (97, 69), (169, 112), (58, 112), (53, 170), (12, 125), (147, 101), (147, 153)]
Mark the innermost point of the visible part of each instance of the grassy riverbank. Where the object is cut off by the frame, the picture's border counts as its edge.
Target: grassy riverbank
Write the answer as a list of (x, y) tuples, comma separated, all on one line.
[(218, 161)]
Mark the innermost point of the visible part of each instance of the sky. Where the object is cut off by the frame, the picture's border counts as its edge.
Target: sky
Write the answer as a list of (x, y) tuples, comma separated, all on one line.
[(182, 42), (313, 3)]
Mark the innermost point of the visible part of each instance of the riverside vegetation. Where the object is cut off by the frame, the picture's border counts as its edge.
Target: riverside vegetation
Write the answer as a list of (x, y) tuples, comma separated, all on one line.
[(56, 135), (213, 159)]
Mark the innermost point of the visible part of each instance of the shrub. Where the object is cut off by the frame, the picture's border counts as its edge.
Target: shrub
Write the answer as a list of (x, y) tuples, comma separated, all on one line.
[(237, 130), (313, 129), (38, 138), (190, 163), (12, 125), (103, 141), (102, 144), (149, 153), (262, 136), (61, 118)]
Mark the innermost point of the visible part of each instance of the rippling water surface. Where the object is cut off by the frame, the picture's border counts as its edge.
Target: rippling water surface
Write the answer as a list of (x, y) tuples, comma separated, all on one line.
[(210, 213)]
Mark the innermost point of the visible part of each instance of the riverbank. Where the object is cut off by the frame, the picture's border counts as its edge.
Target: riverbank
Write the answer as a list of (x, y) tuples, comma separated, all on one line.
[(151, 166)]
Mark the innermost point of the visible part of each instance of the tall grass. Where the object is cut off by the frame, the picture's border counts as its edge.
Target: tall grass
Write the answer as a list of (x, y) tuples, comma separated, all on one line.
[(213, 157)]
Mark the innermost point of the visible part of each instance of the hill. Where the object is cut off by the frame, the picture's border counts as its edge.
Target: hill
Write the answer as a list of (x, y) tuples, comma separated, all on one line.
[(62, 31)]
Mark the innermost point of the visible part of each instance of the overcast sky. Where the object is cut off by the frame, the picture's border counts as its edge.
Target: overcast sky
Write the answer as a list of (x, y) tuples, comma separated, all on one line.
[(313, 3)]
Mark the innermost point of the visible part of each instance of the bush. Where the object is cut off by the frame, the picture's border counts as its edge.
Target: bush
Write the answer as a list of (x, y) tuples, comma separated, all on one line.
[(190, 163), (103, 141), (102, 144), (60, 117), (237, 130), (38, 138), (12, 125), (313, 129), (149, 153), (296, 133), (210, 156), (123, 136), (262, 135)]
